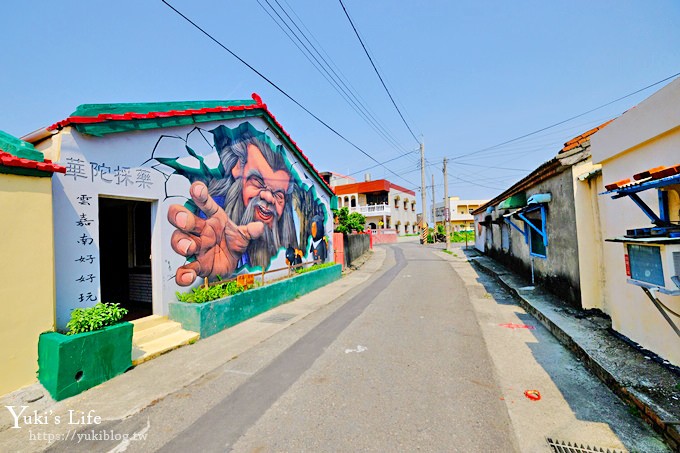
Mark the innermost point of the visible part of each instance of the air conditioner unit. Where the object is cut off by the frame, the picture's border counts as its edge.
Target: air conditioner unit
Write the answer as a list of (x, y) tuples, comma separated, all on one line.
[(654, 265)]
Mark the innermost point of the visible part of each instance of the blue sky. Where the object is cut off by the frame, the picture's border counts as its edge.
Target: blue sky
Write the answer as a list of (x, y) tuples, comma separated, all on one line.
[(466, 75)]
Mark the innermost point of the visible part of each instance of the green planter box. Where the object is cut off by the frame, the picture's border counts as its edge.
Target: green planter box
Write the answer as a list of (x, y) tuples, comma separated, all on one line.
[(212, 317), (70, 364)]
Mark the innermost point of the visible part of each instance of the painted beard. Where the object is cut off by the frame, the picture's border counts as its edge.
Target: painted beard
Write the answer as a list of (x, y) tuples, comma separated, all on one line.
[(260, 251)]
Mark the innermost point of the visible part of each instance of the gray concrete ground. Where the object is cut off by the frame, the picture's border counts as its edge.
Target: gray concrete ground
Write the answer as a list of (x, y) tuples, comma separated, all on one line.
[(575, 406), (650, 388), (414, 351)]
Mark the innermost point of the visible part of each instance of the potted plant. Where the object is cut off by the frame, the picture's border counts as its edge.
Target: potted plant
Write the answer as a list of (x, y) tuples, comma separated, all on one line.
[(96, 347)]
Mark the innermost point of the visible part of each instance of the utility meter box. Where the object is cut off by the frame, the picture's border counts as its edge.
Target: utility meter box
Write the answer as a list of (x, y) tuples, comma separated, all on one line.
[(653, 265)]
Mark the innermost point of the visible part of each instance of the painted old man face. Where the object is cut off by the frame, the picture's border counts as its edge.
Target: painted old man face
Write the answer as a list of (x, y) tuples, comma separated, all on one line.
[(260, 180)]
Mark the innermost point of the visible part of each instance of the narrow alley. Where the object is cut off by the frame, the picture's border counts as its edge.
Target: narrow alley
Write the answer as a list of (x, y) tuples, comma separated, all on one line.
[(426, 354)]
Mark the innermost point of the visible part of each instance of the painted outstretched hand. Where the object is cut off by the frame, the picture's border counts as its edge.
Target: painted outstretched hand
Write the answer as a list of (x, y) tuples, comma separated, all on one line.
[(216, 242)]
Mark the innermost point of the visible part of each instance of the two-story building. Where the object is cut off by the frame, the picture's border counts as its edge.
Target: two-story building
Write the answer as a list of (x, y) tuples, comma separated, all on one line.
[(460, 217), (384, 204)]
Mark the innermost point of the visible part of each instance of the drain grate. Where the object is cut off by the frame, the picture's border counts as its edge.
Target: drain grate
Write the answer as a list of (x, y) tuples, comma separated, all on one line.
[(279, 318), (558, 446)]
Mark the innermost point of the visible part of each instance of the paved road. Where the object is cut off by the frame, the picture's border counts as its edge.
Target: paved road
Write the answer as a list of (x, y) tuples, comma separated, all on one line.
[(392, 370), (414, 359)]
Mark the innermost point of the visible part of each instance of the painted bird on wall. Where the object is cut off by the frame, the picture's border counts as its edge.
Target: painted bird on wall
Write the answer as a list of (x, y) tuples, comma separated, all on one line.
[(293, 256), (319, 240)]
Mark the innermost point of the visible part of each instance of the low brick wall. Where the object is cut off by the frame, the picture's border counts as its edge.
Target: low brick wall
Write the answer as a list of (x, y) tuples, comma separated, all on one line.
[(212, 317)]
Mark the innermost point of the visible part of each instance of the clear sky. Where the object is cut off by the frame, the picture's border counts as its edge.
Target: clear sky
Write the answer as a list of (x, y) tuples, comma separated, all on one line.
[(467, 75)]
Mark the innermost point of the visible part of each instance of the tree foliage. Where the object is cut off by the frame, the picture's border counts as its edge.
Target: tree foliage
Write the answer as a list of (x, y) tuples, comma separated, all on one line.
[(346, 222)]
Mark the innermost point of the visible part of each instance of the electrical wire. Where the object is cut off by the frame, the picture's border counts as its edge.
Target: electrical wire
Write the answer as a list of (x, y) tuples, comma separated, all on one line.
[(377, 72), (281, 90), (516, 139), (571, 118), (326, 71)]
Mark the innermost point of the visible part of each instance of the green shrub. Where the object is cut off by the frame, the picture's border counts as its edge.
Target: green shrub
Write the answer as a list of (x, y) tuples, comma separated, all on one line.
[(313, 267), (459, 236), (95, 318), (202, 294)]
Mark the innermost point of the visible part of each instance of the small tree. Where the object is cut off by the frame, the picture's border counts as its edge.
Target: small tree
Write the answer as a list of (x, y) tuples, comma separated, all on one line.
[(346, 222)]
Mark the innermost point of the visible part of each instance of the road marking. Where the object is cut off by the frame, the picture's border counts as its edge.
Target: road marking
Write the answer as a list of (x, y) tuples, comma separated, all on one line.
[(139, 435), (246, 404), (358, 349), (245, 373)]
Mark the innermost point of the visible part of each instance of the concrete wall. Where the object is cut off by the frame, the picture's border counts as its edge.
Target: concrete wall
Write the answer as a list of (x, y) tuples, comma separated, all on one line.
[(355, 246), (401, 216), (480, 232), (589, 236), (27, 279), (559, 271), (384, 236), (645, 137), (120, 166)]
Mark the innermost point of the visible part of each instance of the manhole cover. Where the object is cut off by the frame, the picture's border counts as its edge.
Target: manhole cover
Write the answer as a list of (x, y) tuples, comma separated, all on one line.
[(279, 318), (559, 446)]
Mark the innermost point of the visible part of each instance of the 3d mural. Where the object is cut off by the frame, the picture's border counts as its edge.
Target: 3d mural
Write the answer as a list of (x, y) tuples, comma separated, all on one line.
[(141, 214), (245, 210)]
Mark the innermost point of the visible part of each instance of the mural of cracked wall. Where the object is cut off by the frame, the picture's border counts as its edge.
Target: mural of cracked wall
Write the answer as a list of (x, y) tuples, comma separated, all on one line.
[(143, 212), (244, 211)]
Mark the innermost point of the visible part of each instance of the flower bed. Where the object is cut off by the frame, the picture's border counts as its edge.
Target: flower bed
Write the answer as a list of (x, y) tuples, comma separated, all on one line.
[(70, 364), (209, 318)]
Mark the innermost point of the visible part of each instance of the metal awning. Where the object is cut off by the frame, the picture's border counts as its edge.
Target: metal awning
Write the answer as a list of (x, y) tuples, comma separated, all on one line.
[(528, 225), (631, 190)]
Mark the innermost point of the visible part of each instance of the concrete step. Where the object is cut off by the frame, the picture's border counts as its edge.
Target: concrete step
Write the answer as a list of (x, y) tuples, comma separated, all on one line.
[(149, 350), (155, 335), (148, 321), (155, 331)]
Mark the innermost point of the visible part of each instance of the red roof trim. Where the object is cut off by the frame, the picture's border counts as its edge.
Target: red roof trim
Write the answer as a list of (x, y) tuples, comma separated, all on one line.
[(146, 116), (302, 154), (402, 189), (10, 160), (132, 116), (370, 186)]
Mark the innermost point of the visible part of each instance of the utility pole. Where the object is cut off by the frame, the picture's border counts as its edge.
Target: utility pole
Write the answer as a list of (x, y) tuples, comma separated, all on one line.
[(447, 210), (423, 195), (434, 219)]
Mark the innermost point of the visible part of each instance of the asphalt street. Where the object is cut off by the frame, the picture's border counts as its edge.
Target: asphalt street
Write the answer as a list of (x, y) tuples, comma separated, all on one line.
[(417, 358)]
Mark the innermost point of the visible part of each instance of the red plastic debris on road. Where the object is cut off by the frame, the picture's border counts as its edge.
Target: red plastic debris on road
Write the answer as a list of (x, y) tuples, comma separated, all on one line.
[(533, 395), (517, 326)]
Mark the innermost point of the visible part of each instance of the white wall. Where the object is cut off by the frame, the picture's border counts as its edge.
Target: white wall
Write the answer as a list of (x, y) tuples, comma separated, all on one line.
[(646, 136), (131, 150)]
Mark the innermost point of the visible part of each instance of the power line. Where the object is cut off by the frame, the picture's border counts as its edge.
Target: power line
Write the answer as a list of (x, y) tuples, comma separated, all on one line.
[(325, 69), (384, 162), (281, 90), (377, 72), (537, 147), (571, 118), (341, 75)]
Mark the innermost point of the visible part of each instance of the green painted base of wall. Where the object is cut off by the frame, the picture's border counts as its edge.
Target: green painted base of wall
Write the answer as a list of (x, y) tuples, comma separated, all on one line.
[(70, 364), (212, 317)]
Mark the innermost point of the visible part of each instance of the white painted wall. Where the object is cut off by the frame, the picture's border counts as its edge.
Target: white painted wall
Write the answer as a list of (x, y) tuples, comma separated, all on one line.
[(76, 218), (646, 136)]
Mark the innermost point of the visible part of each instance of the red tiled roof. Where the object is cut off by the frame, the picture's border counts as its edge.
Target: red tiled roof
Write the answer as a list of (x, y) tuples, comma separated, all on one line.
[(584, 137), (101, 118), (10, 160), (645, 176)]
